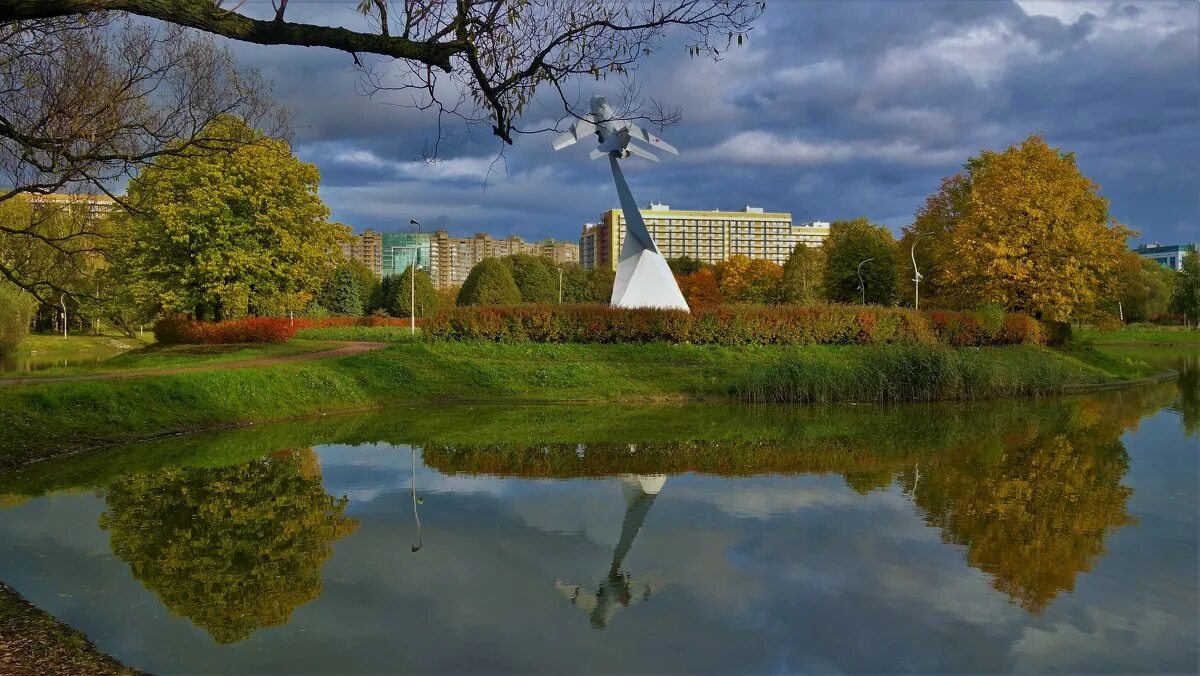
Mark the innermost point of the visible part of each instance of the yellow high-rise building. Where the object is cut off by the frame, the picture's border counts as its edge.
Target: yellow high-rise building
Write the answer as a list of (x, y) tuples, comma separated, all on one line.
[(709, 236)]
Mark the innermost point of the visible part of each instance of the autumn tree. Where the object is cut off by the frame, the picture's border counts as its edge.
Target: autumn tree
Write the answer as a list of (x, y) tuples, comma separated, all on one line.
[(1185, 298), (229, 234), (748, 280), (235, 548), (1024, 229), (87, 101), (803, 274), (700, 288), (490, 282), (849, 244)]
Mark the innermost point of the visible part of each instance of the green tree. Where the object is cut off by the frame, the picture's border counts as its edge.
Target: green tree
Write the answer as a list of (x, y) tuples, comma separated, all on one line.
[(535, 276), (686, 265), (341, 294), (232, 548), (490, 282), (364, 280), (1145, 288), (600, 285), (1024, 229), (1185, 299), (850, 243), (228, 234), (574, 281), (802, 276), (400, 295), (16, 309)]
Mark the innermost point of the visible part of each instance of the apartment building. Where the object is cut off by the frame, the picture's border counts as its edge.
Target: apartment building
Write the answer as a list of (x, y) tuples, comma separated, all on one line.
[(447, 259), (710, 236)]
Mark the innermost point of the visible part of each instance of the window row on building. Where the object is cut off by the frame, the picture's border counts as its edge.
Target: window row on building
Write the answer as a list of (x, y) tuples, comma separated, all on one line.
[(711, 236), (447, 259), (1168, 256)]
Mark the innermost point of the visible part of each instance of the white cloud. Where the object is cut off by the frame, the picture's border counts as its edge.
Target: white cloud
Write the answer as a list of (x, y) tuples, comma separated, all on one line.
[(771, 149)]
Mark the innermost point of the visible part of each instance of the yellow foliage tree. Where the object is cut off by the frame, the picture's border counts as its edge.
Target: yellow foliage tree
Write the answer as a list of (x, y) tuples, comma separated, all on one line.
[(749, 280), (1023, 229)]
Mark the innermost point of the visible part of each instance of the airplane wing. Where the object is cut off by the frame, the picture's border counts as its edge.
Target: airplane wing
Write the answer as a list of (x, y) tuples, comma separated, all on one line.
[(580, 129), (641, 153), (643, 135)]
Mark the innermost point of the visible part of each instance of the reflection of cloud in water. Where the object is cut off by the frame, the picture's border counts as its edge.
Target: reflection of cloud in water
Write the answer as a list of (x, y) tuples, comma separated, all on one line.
[(1109, 637), (756, 500)]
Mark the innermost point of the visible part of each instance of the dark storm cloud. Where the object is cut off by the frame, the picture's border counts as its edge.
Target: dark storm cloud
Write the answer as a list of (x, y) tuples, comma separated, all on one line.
[(832, 110)]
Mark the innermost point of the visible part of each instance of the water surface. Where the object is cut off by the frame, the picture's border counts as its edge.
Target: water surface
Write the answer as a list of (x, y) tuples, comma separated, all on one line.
[(1023, 536)]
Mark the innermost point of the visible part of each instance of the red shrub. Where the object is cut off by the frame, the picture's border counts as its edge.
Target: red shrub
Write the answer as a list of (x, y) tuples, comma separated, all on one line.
[(250, 330)]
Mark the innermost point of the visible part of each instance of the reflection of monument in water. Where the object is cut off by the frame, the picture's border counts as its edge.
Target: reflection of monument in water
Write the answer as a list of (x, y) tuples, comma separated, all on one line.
[(617, 589)]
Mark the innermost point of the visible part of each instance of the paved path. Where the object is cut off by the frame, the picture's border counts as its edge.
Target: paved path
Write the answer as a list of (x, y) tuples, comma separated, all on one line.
[(347, 349)]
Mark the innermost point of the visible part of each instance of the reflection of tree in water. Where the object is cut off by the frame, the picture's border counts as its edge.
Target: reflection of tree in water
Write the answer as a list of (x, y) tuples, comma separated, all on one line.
[(232, 548), (1188, 403), (1034, 517), (617, 589)]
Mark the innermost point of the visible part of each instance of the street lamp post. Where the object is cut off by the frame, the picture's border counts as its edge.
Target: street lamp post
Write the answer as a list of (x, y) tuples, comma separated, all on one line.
[(412, 277), (917, 276), (862, 286), (560, 285)]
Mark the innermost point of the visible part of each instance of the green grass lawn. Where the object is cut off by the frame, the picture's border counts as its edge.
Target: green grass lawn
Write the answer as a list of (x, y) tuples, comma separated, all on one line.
[(166, 356), (40, 419), (57, 346), (377, 334), (1141, 334)]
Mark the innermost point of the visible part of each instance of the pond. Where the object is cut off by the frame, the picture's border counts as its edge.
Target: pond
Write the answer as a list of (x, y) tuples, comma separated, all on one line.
[(1058, 534), (27, 362)]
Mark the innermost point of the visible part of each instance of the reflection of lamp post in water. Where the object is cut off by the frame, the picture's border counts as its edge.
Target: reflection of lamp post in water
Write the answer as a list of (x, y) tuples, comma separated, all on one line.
[(862, 286), (415, 501)]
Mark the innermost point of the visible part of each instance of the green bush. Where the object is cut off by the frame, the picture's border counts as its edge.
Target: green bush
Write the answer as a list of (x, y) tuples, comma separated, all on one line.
[(489, 283), (535, 276), (15, 310), (401, 291), (740, 325)]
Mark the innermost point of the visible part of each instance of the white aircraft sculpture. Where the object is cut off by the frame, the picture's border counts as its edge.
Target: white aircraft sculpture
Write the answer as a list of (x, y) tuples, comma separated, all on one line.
[(644, 279)]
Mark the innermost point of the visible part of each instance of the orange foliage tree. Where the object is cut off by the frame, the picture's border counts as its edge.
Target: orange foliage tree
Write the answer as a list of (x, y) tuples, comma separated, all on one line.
[(700, 288), (749, 280)]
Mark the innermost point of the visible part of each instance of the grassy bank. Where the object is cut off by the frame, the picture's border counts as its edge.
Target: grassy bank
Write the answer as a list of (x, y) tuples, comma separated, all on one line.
[(170, 356), (41, 419), (1141, 334)]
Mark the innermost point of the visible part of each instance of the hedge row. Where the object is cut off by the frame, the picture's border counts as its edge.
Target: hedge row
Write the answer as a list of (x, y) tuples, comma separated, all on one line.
[(175, 331), (172, 331), (743, 325)]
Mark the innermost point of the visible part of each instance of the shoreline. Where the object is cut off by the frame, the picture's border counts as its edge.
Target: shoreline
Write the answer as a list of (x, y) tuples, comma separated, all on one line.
[(76, 417)]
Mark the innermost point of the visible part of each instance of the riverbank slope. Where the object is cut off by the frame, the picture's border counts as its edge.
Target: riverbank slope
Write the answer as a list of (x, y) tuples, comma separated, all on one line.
[(44, 419)]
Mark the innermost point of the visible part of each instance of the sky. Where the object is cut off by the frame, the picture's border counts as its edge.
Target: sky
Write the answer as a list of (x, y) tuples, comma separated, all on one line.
[(831, 110)]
